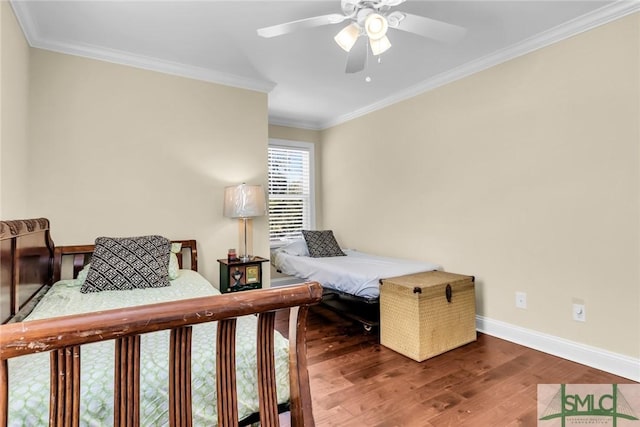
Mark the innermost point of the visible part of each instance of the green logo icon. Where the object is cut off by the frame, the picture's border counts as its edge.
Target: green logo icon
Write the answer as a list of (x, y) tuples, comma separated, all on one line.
[(587, 404)]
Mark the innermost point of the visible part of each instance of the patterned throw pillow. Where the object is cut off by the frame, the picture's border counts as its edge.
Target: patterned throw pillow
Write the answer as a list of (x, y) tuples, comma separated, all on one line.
[(321, 243), (128, 263)]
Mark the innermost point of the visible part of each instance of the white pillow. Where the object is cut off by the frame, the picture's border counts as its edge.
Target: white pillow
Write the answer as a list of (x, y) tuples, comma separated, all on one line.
[(173, 260), (296, 247)]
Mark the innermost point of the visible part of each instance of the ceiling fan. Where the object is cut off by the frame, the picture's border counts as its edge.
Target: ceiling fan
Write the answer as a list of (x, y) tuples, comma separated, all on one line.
[(370, 20)]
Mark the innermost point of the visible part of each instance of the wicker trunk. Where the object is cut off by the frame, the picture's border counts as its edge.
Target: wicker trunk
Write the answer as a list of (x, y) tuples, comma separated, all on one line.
[(426, 314)]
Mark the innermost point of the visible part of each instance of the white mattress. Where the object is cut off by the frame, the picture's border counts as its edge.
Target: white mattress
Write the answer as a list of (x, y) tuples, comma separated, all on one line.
[(357, 273)]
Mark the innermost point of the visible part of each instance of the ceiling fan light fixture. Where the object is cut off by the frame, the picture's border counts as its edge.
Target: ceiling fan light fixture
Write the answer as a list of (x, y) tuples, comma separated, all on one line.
[(347, 37), (379, 46), (376, 26)]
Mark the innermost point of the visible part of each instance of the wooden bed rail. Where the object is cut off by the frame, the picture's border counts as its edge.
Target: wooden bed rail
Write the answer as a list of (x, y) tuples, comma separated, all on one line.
[(64, 336)]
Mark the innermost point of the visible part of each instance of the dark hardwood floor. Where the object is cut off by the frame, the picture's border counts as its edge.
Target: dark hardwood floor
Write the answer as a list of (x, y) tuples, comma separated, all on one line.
[(355, 381)]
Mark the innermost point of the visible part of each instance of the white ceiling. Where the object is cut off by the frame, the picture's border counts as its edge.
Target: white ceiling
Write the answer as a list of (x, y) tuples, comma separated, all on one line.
[(303, 72)]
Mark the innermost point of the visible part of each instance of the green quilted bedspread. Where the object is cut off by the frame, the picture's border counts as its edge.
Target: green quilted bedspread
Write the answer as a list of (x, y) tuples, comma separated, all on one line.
[(29, 375)]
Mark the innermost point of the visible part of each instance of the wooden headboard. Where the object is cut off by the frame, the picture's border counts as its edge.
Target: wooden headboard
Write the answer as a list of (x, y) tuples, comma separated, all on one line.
[(31, 263), (26, 254)]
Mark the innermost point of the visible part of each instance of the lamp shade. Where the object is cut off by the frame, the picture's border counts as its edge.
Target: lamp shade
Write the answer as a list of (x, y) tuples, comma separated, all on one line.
[(244, 201), (379, 46), (376, 26), (348, 36)]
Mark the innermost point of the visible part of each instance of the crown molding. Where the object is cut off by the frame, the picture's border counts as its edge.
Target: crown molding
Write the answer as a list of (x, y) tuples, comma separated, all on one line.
[(158, 65), (24, 19), (576, 26), (132, 60), (293, 123), (561, 32)]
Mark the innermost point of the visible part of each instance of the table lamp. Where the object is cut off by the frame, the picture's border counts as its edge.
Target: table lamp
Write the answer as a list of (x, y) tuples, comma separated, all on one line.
[(244, 201)]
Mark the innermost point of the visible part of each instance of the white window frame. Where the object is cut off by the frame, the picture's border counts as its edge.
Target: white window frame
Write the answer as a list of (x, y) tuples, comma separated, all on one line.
[(310, 148)]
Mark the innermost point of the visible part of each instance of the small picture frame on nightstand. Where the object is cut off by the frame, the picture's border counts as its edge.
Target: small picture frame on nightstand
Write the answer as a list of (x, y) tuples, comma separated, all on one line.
[(252, 274)]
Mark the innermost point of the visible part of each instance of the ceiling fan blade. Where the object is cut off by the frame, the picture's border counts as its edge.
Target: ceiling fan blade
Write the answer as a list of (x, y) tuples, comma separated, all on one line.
[(426, 27), (357, 58), (392, 3), (301, 24)]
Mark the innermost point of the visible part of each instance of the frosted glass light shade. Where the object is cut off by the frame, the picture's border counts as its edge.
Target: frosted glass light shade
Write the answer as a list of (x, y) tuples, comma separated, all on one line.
[(376, 26), (380, 45), (347, 37), (244, 201)]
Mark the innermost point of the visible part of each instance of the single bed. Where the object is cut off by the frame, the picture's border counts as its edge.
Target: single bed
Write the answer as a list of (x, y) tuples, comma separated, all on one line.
[(351, 283), (174, 355)]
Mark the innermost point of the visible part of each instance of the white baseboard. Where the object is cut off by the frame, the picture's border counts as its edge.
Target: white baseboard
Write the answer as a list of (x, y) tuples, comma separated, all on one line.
[(614, 363)]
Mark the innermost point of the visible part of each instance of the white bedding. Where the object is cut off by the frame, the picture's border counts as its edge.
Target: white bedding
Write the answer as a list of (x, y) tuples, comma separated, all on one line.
[(29, 388), (357, 273)]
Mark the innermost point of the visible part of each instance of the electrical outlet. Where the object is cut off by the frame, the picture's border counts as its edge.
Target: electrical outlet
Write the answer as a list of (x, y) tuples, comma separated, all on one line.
[(521, 300), (579, 314)]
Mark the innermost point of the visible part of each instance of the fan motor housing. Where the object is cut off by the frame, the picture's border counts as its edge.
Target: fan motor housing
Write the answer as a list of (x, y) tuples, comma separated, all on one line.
[(360, 9)]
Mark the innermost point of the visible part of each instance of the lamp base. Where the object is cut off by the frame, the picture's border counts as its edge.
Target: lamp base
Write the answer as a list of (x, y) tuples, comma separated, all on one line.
[(245, 257)]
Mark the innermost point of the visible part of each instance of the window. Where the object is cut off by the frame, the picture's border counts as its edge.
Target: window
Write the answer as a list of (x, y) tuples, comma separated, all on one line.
[(291, 193)]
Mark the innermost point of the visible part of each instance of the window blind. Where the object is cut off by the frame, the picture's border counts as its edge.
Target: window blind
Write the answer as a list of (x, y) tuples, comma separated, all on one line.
[(289, 192)]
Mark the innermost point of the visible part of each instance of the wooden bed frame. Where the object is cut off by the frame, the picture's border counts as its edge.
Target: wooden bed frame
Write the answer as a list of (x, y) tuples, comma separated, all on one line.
[(30, 263), (365, 311)]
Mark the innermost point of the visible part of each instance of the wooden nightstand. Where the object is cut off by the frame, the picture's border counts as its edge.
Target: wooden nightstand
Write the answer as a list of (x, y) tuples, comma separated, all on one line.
[(241, 275)]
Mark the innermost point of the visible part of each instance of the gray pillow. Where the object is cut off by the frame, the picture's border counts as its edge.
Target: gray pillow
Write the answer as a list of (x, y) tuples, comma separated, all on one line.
[(321, 243), (128, 263)]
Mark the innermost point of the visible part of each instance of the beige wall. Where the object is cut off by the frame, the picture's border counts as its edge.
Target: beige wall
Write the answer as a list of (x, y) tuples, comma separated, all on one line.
[(525, 175), (120, 151), (14, 90)]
